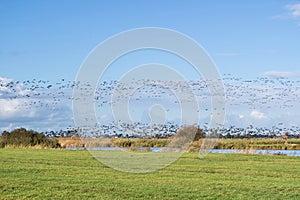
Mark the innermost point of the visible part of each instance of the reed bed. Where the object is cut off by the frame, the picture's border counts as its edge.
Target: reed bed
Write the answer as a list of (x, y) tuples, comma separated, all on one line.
[(247, 144)]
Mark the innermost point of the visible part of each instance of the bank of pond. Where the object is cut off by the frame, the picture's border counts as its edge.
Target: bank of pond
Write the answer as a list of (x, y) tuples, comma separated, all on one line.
[(272, 146), (231, 151), (259, 143)]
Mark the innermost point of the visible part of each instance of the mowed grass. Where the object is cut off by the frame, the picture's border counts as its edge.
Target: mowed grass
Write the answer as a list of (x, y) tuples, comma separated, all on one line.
[(66, 174)]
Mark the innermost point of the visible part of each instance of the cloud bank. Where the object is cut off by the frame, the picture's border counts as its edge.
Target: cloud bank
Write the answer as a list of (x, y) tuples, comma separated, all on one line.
[(294, 10), (282, 74)]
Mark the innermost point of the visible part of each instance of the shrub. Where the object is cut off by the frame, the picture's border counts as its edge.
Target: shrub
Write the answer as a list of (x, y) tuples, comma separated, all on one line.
[(185, 136), (27, 138)]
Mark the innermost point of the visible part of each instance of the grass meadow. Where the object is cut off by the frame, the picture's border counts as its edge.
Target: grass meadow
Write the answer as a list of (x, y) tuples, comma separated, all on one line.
[(66, 174)]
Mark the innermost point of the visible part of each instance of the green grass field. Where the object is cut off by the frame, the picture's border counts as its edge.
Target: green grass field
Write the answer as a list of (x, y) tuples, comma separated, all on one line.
[(65, 174)]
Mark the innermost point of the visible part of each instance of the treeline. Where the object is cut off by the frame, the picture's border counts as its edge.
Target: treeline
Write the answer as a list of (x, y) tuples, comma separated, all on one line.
[(27, 138)]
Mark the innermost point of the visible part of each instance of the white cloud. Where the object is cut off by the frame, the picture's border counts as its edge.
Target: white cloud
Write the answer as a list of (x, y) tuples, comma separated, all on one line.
[(13, 109), (294, 10), (9, 88), (258, 115), (3, 83), (5, 80), (37, 108), (282, 74)]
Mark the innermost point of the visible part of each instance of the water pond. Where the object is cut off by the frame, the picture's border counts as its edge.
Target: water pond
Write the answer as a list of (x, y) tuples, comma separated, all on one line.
[(241, 151)]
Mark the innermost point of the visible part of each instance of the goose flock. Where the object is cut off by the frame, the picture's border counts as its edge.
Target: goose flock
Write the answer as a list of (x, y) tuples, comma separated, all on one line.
[(260, 107)]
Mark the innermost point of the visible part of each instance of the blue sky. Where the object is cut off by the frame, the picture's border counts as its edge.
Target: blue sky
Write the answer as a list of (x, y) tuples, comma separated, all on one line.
[(49, 40)]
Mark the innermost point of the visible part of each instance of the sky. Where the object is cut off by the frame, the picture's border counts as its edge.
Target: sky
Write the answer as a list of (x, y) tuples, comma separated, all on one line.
[(49, 40)]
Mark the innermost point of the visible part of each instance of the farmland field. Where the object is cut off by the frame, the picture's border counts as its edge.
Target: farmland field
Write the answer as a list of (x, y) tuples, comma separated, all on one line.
[(66, 174)]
